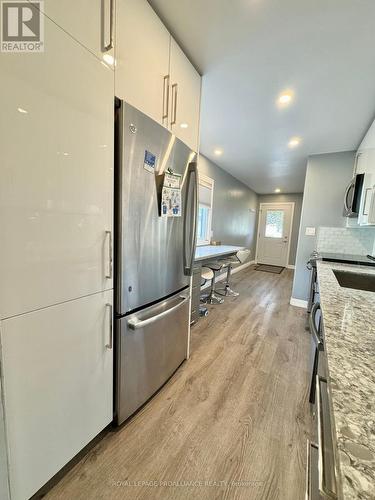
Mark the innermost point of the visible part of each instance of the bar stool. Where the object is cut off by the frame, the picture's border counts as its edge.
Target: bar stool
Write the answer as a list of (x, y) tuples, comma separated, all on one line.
[(206, 275), (239, 258), (212, 298)]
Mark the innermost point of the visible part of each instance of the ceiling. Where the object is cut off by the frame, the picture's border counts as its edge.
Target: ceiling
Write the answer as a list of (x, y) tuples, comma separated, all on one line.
[(250, 51)]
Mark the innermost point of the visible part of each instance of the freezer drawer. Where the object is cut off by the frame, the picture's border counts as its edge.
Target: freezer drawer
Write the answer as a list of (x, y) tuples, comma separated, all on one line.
[(151, 345)]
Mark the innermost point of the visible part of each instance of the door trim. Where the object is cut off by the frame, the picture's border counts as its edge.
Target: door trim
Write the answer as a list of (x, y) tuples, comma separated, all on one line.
[(291, 204)]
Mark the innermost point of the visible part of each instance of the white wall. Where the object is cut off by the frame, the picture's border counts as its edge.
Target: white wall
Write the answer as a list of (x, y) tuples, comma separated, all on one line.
[(327, 177), (234, 216), (4, 489)]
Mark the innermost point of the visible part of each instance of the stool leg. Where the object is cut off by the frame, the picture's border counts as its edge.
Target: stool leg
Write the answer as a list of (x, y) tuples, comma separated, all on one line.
[(227, 289), (213, 298)]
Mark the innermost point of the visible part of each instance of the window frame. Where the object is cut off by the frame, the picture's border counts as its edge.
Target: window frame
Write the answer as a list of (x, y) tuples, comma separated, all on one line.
[(207, 182)]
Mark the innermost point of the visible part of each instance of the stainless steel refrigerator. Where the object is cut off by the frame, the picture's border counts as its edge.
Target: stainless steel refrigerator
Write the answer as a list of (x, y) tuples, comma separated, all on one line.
[(153, 257)]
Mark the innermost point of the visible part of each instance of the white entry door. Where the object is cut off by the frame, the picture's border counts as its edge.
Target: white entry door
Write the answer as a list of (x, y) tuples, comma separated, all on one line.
[(275, 225)]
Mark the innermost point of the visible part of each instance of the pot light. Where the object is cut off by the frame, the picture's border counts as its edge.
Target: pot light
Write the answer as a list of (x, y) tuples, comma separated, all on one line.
[(285, 98), (23, 111), (184, 125), (294, 142), (277, 190), (218, 152)]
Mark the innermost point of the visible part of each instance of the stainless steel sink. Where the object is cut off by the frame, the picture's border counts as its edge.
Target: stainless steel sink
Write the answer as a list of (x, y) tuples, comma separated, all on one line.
[(347, 279)]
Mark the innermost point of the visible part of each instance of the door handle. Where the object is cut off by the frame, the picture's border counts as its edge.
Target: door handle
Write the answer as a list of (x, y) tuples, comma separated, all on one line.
[(313, 329), (136, 324), (327, 469), (174, 103), (110, 260), (346, 206), (110, 343), (109, 45), (190, 236), (165, 114)]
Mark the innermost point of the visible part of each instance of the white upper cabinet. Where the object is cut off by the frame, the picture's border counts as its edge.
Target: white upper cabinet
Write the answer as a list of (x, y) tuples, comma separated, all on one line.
[(90, 22), (185, 91), (57, 366), (142, 59), (152, 72), (56, 175)]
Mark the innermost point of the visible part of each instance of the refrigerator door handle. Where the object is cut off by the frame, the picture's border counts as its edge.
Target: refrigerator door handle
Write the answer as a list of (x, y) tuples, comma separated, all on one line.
[(190, 236), (136, 324)]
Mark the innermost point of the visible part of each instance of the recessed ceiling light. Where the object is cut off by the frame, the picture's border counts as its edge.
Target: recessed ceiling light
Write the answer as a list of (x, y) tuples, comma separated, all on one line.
[(21, 110), (109, 59), (285, 98), (218, 152), (184, 125), (277, 190), (294, 142)]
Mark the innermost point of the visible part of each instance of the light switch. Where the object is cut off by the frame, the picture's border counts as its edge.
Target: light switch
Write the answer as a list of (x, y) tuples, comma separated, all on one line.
[(310, 231)]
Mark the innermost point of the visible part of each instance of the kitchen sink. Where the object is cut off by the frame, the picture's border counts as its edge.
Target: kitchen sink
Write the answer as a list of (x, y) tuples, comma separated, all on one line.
[(347, 279)]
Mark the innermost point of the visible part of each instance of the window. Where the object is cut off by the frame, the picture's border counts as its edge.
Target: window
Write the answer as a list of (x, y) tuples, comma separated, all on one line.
[(274, 223), (205, 197)]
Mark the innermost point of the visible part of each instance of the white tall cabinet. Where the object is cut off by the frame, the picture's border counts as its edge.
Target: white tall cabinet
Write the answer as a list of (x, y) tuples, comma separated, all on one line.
[(152, 72), (56, 215)]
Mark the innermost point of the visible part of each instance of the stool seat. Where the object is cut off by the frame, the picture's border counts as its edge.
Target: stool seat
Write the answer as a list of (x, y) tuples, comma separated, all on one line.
[(207, 273), (216, 265)]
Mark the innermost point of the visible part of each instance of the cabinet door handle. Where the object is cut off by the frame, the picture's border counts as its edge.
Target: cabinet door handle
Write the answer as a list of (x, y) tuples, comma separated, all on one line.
[(110, 343), (109, 46), (166, 80), (110, 262), (327, 466), (174, 103)]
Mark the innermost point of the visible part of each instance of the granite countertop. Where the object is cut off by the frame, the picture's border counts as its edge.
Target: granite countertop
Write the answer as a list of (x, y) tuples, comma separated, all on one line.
[(349, 329), (209, 251)]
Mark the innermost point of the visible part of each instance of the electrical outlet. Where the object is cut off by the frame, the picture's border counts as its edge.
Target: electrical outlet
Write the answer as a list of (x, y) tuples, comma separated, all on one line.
[(310, 231)]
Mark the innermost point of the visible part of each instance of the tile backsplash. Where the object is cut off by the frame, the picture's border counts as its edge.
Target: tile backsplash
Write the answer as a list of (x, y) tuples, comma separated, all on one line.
[(360, 241)]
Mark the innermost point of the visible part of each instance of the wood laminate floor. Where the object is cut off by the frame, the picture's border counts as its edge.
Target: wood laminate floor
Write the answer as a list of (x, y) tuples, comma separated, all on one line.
[(232, 423)]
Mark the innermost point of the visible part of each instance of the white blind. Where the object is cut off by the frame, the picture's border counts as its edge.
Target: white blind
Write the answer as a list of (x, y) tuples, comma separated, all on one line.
[(205, 195)]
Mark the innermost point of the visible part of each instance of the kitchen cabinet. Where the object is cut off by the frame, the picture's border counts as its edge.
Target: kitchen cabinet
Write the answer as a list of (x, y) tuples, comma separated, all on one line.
[(152, 72), (57, 378), (185, 94), (90, 22), (56, 176), (142, 59)]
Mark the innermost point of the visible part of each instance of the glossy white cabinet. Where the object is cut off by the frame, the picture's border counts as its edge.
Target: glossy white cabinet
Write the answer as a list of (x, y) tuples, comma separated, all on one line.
[(90, 22), (185, 92), (152, 72), (58, 375), (142, 59), (56, 175)]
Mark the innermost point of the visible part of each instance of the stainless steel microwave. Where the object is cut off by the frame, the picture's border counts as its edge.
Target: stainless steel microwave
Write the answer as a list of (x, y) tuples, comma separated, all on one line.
[(352, 198)]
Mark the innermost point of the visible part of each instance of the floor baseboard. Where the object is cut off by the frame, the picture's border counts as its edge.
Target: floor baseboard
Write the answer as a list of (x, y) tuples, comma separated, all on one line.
[(290, 266), (298, 303)]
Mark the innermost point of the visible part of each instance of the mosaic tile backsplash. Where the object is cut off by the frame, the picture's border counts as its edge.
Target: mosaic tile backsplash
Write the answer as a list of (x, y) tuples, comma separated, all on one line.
[(359, 241)]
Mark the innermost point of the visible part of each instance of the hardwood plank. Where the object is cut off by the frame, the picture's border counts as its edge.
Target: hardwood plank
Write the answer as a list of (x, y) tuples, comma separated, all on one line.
[(232, 422)]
